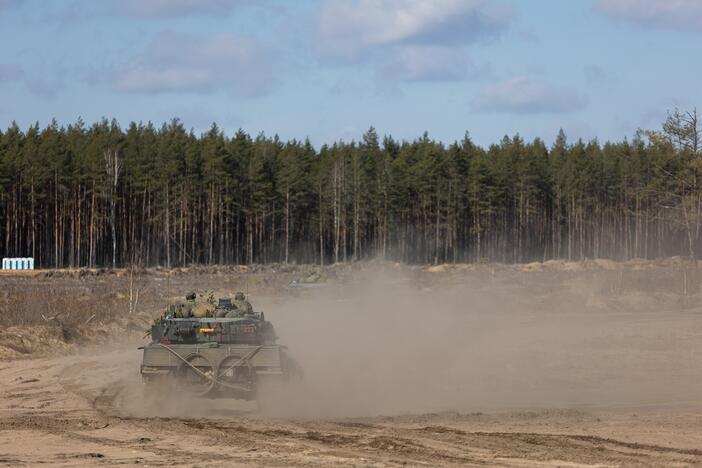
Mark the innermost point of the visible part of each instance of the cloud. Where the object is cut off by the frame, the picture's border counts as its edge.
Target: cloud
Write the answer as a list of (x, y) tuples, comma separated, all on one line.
[(427, 63), (10, 72), (174, 62), (522, 95), (44, 88), (35, 84), (408, 40), (172, 8), (350, 28), (681, 15)]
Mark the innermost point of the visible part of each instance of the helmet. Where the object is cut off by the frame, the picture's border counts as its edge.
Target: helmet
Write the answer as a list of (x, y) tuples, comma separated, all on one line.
[(190, 296), (239, 296)]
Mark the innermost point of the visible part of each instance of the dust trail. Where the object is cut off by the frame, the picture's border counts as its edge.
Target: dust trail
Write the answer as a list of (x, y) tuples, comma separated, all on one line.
[(389, 345), (109, 380), (389, 341)]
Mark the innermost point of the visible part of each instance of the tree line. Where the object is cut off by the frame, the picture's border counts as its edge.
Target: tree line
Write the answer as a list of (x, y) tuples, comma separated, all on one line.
[(102, 195)]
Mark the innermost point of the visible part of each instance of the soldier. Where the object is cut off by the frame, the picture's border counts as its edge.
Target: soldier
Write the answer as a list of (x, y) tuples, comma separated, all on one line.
[(187, 308), (178, 310), (224, 307), (243, 306)]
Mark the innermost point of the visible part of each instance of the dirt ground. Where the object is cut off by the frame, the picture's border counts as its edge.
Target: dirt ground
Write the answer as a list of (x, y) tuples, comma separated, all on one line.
[(557, 364)]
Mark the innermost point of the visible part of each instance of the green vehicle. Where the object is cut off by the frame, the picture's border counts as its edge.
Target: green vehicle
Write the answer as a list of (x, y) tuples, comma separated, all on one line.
[(222, 350)]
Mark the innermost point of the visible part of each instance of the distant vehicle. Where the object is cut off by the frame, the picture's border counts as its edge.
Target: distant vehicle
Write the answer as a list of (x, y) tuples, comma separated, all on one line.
[(214, 350), (310, 281)]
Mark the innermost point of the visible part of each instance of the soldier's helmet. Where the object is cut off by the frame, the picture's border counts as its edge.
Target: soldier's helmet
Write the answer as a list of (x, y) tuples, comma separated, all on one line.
[(190, 296), (239, 296)]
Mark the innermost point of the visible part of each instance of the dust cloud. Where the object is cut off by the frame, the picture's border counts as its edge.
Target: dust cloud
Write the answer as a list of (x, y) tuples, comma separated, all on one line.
[(123, 393), (387, 344)]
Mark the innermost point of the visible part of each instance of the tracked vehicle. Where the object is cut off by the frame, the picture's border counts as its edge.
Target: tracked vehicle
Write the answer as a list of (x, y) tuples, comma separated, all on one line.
[(225, 352)]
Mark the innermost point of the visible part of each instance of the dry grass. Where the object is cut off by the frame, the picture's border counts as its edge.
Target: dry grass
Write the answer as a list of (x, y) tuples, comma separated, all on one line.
[(45, 313), (25, 303)]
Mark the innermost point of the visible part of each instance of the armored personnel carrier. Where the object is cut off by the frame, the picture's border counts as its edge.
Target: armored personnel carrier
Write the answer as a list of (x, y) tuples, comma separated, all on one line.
[(221, 349)]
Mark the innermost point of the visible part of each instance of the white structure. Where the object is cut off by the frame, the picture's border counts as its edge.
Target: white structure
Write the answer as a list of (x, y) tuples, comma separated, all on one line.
[(18, 263)]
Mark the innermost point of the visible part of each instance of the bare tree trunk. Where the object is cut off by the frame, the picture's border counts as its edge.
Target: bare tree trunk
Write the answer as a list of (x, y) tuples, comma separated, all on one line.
[(356, 207), (436, 229), (113, 166), (211, 228), (287, 223), (336, 209), (167, 231), (33, 215), (321, 227)]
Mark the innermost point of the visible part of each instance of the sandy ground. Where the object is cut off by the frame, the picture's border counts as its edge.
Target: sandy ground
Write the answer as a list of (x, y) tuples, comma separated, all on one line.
[(50, 415), (470, 370)]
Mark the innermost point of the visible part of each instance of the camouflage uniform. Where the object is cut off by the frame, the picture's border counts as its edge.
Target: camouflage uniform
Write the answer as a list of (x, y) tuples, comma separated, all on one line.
[(242, 305), (233, 313), (203, 309), (185, 309), (224, 308)]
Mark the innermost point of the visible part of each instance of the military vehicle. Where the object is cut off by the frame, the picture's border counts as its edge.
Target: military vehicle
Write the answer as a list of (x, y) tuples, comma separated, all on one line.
[(303, 284), (221, 349)]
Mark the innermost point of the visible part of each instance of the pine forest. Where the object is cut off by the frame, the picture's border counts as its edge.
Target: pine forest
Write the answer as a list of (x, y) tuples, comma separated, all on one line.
[(104, 196)]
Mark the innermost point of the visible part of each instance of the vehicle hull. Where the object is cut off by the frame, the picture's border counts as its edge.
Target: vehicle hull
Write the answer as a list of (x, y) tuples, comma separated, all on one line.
[(217, 369)]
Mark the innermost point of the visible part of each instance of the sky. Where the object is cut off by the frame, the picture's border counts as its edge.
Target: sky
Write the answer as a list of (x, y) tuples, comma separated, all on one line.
[(329, 69)]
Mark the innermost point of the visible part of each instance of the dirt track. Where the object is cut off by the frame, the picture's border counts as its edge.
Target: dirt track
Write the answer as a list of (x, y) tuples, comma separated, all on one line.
[(527, 384), (49, 415)]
